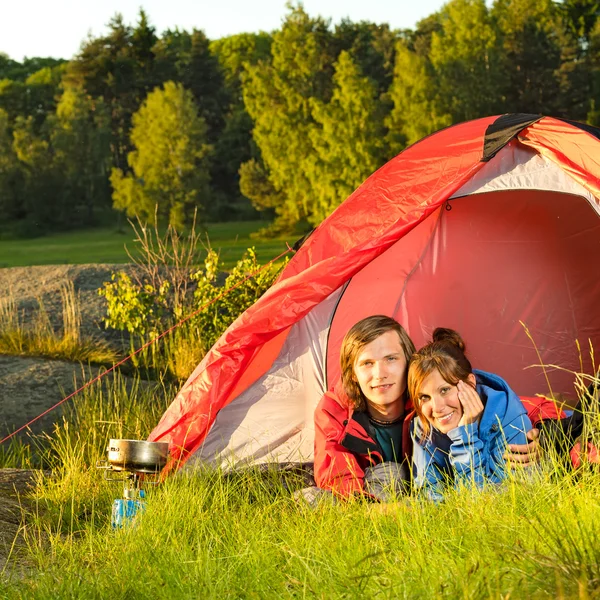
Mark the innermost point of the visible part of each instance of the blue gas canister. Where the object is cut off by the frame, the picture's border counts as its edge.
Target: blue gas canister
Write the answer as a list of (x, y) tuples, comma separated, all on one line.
[(124, 511)]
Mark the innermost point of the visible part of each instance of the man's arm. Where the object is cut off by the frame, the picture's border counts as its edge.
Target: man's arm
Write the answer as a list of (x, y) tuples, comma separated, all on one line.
[(336, 468), (524, 455)]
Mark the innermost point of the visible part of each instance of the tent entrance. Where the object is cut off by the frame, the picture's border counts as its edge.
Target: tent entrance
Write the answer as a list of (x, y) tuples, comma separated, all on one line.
[(488, 262)]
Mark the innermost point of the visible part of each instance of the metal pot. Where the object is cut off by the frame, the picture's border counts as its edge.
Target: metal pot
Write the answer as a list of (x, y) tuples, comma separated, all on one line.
[(137, 456)]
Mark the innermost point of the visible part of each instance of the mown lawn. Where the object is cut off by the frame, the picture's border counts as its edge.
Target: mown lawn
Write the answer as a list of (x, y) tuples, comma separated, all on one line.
[(106, 245)]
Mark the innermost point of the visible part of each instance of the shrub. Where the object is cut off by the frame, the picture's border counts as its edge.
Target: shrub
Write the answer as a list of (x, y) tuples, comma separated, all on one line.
[(167, 286)]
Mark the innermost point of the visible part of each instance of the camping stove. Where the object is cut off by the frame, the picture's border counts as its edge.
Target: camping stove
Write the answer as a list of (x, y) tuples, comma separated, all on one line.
[(133, 462)]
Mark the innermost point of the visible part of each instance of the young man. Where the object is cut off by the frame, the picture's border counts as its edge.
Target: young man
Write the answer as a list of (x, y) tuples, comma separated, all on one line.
[(363, 423)]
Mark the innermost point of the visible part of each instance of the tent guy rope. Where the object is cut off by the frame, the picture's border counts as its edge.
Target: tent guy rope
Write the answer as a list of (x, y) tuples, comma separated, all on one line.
[(149, 343)]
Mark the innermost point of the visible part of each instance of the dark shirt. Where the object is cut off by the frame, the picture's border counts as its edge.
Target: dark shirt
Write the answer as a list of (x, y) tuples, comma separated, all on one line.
[(389, 437)]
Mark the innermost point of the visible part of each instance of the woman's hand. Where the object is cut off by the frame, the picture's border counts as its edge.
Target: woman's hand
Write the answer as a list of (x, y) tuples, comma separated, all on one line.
[(471, 403)]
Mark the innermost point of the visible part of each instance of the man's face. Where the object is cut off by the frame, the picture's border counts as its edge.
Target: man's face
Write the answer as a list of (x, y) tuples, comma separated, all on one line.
[(380, 370)]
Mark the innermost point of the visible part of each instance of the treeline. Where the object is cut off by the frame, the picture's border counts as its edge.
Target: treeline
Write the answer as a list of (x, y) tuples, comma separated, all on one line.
[(288, 123)]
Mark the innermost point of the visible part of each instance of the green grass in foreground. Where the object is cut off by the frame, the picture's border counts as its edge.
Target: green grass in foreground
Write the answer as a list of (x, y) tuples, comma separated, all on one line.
[(207, 535), (108, 246), (210, 536)]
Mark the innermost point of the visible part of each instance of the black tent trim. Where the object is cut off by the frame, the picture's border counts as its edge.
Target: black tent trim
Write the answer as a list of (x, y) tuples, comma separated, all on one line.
[(504, 129)]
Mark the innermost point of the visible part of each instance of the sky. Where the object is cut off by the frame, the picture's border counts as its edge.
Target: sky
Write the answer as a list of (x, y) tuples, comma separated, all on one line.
[(57, 27)]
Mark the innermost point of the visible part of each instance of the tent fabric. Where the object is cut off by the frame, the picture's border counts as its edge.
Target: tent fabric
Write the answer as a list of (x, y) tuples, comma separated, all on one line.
[(437, 236)]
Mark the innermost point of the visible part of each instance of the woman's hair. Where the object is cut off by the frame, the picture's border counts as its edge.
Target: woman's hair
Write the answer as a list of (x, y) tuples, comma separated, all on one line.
[(446, 353), (361, 334)]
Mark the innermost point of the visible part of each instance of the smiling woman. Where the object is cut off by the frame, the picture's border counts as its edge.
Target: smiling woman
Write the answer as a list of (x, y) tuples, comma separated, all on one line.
[(465, 420)]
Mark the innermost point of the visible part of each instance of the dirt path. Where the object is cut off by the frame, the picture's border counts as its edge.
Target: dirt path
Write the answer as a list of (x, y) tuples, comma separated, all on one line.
[(29, 386)]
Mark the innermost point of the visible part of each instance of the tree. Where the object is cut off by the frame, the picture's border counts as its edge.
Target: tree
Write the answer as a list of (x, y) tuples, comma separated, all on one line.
[(170, 163), (372, 48), (42, 205), (580, 60), (465, 56), (186, 58), (416, 111), (81, 141), (106, 68), (593, 114), (277, 96), (16, 71), (531, 55), (11, 177), (234, 145), (348, 138)]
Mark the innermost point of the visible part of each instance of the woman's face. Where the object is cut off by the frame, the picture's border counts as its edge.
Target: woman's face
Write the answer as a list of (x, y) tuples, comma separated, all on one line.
[(439, 402), (380, 370)]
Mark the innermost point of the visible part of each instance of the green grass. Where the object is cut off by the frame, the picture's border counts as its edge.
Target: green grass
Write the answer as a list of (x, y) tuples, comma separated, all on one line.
[(108, 246), (211, 535)]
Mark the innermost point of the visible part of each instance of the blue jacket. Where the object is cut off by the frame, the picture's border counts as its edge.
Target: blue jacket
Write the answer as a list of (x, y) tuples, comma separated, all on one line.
[(471, 453)]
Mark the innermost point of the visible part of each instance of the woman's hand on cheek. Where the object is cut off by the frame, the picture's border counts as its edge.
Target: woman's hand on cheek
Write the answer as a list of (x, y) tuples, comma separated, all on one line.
[(471, 403)]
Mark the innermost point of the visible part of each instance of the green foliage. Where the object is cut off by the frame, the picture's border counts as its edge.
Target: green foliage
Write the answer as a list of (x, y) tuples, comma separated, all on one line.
[(235, 52), (146, 310), (170, 165), (277, 96), (81, 141), (41, 179), (348, 139), (137, 309), (318, 108), (234, 145), (106, 68), (413, 93), (273, 108), (167, 287), (224, 304), (11, 69), (11, 174), (465, 58), (531, 55)]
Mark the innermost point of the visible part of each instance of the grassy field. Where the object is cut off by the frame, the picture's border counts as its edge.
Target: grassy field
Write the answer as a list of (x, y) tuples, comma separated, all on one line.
[(211, 535), (108, 246)]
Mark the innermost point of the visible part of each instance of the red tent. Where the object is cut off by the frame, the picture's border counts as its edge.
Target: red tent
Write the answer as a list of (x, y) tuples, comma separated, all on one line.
[(477, 227)]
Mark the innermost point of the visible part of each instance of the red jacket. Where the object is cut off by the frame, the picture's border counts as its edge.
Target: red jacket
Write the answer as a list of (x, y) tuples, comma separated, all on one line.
[(344, 448)]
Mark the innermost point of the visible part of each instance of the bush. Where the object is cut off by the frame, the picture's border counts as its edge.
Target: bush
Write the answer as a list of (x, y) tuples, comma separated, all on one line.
[(168, 287)]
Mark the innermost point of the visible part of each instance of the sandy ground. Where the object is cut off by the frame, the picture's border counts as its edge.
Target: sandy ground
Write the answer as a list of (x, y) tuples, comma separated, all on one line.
[(28, 386)]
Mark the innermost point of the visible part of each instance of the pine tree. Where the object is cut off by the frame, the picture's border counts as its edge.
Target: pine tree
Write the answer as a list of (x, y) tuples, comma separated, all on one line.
[(278, 97), (348, 138), (531, 55), (465, 56), (414, 94)]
